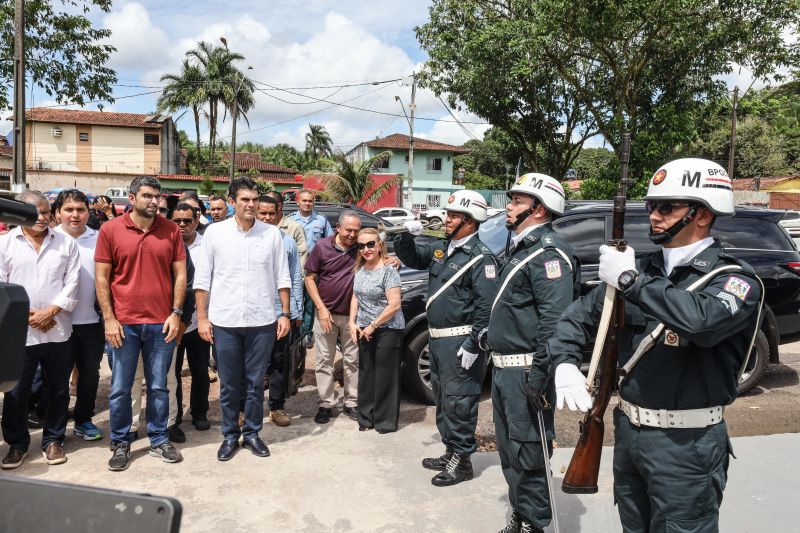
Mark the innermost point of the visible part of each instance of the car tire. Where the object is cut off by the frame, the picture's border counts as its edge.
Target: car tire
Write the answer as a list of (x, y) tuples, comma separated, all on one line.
[(417, 367), (435, 223), (756, 364)]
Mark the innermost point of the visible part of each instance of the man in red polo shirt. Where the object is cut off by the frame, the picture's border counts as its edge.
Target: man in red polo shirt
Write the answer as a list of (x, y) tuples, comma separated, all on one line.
[(141, 283)]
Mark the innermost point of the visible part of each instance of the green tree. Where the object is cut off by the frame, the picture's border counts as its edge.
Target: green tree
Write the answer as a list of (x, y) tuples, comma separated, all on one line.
[(318, 142), (594, 163), (265, 186), (206, 186), (65, 54), (350, 182), (185, 90)]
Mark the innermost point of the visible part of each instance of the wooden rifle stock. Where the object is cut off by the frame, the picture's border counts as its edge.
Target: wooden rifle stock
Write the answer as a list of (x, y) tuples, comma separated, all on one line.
[(584, 467)]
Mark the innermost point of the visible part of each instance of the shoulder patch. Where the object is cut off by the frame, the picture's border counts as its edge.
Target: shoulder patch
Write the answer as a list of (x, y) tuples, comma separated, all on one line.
[(547, 240), (489, 271), (438, 254), (737, 286), (553, 269), (728, 300)]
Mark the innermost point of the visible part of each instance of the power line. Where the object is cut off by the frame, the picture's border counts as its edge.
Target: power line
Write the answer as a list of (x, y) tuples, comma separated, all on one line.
[(206, 82), (463, 128)]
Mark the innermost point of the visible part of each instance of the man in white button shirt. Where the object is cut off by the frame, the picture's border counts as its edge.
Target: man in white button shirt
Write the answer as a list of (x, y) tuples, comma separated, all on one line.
[(88, 338), (242, 265), (47, 265)]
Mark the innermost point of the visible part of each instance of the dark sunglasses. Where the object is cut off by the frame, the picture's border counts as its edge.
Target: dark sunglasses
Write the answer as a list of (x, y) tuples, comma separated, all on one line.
[(664, 208), (370, 245), (180, 221)]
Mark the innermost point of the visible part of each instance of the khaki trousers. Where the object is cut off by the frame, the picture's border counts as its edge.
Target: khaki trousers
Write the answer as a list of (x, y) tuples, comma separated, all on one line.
[(326, 352)]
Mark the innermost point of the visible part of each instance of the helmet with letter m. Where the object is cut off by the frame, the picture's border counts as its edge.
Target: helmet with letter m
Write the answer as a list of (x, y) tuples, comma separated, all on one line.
[(471, 203), (546, 189), (693, 180)]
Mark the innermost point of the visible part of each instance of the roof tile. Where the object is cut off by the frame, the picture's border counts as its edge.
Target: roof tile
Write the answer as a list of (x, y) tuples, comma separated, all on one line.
[(95, 118), (398, 141)]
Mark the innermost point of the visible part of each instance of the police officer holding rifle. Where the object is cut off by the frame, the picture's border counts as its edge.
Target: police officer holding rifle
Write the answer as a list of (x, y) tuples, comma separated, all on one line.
[(691, 315)]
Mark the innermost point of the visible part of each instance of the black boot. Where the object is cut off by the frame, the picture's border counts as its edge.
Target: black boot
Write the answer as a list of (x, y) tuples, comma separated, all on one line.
[(527, 527), (513, 524), (458, 469), (438, 463)]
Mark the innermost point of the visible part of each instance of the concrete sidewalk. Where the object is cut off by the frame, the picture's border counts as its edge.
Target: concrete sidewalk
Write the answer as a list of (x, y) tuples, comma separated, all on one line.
[(333, 478)]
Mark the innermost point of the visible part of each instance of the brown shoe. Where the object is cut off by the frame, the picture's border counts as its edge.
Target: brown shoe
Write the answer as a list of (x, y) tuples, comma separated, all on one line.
[(54, 454), (13, 458), (212, 375), (241, 419), (280, 418)]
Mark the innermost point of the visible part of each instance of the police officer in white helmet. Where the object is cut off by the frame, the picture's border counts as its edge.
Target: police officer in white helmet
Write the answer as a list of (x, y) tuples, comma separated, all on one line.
[(462, 281), (539, 279), (702, 307)]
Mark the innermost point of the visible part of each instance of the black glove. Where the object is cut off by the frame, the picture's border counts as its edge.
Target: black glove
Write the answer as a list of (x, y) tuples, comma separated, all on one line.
[(536, 398)]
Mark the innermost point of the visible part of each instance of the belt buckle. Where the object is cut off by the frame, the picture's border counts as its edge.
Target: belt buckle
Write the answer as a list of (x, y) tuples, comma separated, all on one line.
[(633, 415)]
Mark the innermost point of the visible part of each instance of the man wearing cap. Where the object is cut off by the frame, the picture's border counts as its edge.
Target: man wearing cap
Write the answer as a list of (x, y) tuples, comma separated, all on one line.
[(538, 281), (700, 308), (462, 282)]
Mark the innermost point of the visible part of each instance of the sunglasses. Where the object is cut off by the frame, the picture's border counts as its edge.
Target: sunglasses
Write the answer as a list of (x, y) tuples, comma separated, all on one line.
[(664, 208), (180, 221), (369, 245)]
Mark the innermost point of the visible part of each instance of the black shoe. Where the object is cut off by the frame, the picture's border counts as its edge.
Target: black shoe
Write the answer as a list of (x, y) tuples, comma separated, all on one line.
[(323, 415), (227, 449), (121, 457), (351, 412), (257, 446), (458, 469), (34, 422), (201, 424), (437, 463), (527, 527), (167, 452), (176, 434), (362, 427), (513, 524)]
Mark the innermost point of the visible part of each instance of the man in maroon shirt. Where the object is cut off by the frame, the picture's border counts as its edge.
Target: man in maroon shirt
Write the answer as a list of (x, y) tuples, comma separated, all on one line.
[(140, 263), (329, 282)]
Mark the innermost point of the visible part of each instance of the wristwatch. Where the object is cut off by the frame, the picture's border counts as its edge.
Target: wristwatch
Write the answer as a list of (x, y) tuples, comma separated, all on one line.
[(284, 314), (626, 279), (177, 311)]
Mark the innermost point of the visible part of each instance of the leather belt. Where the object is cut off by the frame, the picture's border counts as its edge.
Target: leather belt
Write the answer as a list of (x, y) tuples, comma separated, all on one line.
[(663, 418), (438, 333), (518, 359)]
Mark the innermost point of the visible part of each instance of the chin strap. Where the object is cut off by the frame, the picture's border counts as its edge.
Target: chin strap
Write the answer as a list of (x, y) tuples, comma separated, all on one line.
[(665, 237), (449, 236), (521, 218)]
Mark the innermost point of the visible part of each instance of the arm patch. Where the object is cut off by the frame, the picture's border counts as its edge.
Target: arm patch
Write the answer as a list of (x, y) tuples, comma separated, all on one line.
[(737, 286), (553, 269)]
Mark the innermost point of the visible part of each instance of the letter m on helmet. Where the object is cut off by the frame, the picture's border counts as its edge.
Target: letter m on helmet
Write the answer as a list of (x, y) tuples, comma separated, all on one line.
[(464, 202), (690, 180), (536, 183)]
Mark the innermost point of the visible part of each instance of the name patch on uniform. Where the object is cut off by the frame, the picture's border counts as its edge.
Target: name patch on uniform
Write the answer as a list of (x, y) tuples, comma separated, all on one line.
[(728, 301), (737, 286), (490, 272), (553, 269), (671, 338), (702, 263), (454, 266)]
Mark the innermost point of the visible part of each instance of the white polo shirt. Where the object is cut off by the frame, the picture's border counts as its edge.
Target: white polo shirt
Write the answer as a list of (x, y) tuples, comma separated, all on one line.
[(85, 312)]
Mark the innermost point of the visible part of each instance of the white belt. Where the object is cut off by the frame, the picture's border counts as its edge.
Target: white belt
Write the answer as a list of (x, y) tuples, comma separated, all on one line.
[(662, 418), (517, 359), (438, 333)]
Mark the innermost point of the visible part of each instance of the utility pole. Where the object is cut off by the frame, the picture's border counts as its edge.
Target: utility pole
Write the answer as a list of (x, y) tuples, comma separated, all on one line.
[(733, 133), (232, 170), (411, 107), (18, 179)]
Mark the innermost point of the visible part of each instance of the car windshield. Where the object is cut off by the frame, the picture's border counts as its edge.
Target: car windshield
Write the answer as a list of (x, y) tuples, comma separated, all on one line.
[(493, 233)]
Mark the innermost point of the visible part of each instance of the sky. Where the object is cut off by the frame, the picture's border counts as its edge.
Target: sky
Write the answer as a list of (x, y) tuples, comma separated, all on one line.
[(292, 46), (300, 52)]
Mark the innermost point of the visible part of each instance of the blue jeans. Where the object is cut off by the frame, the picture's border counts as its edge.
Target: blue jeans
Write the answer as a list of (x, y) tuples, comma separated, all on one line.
[(157, 357), (242, 356)]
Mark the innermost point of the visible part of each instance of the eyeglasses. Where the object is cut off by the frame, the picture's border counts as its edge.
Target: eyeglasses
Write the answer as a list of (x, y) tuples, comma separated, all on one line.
[(369, 245), (180, 221), (664, 208)]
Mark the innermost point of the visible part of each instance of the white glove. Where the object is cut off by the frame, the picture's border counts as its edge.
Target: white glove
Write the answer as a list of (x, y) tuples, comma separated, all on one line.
[(467, 358), (613, 263), (414, 227), (571, 386)]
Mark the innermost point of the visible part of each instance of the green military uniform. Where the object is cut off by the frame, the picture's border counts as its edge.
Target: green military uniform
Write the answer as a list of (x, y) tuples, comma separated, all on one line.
[(672, 479), (524, 317), (467, 302)]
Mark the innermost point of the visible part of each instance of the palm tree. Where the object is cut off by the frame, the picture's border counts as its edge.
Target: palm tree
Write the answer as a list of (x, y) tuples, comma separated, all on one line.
[(351, 182), (318, 141), (184, 90)]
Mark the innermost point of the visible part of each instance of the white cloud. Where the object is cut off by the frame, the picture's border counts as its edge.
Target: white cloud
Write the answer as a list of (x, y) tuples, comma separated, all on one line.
[(140, 43)]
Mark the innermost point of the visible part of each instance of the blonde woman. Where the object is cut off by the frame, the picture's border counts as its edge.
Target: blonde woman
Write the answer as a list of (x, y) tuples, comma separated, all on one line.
[(376, 324)]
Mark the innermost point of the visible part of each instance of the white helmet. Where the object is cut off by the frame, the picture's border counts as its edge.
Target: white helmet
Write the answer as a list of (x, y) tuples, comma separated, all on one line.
[(470, 202), (544, 188), (697, 180)]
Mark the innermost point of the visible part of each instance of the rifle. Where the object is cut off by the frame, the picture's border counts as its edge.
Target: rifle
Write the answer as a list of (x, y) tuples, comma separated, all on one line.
[(584, 467)]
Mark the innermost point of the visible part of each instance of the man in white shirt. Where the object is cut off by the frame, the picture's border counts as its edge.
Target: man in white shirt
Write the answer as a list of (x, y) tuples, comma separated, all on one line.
[(197, 349), (47, 265), (88, 338), (241, 266)]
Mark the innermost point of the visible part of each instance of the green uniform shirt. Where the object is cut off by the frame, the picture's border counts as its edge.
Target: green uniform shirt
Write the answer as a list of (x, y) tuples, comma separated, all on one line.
[(468, 301), (530, 305), (695, 366)]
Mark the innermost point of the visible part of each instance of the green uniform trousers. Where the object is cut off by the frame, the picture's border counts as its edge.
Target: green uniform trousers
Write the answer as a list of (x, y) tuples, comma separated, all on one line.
[(521, 457), (669, 480), (456, 392)]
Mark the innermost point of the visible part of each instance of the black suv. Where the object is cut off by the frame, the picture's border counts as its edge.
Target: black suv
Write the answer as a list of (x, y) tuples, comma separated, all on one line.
[(753, 235)]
